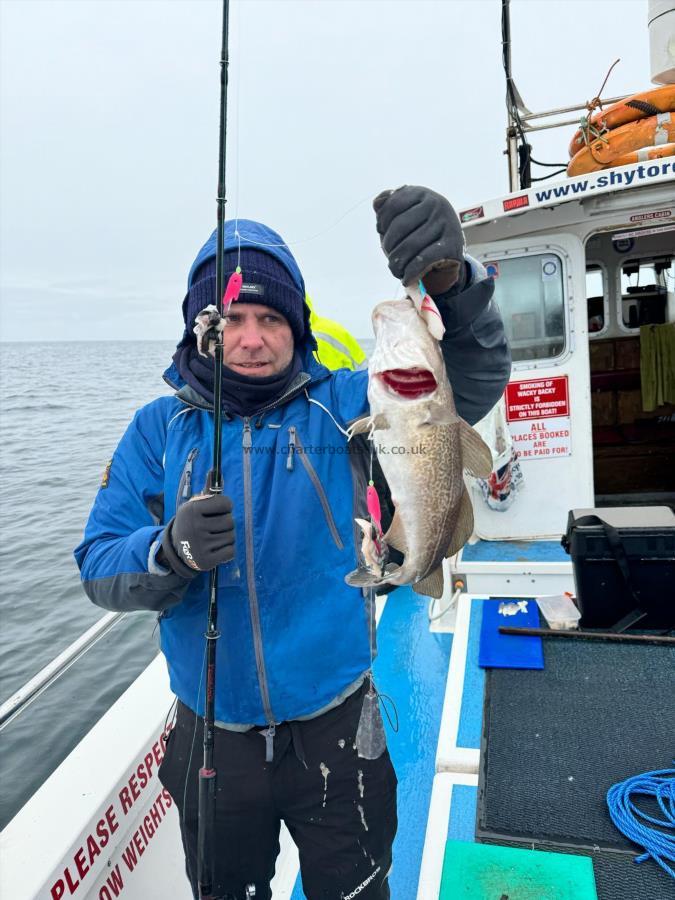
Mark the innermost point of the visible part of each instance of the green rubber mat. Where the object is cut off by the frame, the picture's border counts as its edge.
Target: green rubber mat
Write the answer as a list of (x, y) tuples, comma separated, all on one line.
[(490, 872)]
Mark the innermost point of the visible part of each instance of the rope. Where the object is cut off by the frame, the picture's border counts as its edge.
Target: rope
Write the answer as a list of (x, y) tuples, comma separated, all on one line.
[(630, 820), (588, 130)]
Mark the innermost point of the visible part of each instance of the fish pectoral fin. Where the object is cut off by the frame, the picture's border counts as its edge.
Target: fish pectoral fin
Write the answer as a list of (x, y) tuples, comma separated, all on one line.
[(367, 425), (363, 578), (395, 536), (439, 416), (360, 426), (464, 527), (431, 585), (476, 456)]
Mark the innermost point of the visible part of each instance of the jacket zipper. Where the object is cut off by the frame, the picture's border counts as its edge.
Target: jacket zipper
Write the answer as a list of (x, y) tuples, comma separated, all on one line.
[(254, 609), (185, 483), (296, 443), (291, 448)]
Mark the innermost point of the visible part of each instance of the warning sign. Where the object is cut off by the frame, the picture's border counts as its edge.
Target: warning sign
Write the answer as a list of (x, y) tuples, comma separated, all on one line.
[(539, 417), (537, 399), (537, 439)]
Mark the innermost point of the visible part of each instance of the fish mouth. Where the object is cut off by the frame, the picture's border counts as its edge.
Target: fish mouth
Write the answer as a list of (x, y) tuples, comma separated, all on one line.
[(409, 383)]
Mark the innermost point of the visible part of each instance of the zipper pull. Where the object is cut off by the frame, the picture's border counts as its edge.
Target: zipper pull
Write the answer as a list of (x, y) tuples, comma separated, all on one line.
[(291, 448), (187, 484), (246, 437), (269, 733)]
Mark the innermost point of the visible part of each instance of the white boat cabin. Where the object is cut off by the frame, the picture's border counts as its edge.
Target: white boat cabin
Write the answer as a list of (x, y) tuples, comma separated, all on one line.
[(582, 269)]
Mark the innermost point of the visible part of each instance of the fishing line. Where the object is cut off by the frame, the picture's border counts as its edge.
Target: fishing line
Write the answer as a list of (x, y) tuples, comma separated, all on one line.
[(171, 714), (317, 403), (192, 747), (237, 143), (384, 700), (312, 237)]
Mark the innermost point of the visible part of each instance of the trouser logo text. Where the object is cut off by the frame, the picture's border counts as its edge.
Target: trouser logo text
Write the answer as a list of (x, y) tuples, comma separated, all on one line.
[(362, 886)]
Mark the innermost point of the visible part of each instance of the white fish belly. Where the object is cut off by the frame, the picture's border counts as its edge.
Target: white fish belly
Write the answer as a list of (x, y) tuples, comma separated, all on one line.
[(423, 468)]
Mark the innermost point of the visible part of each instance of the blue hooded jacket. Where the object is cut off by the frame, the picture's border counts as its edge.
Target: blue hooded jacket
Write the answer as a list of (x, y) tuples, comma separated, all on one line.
[(294, 637)]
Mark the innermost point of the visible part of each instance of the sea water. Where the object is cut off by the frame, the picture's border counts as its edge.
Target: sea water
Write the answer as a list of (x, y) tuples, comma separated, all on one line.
[(63, 409)]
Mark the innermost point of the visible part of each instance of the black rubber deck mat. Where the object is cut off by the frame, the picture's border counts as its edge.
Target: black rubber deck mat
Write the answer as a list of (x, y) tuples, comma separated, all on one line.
[(554, 742)]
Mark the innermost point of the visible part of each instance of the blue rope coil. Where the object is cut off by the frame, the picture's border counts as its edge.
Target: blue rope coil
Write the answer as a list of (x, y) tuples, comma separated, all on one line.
[(659, 841)]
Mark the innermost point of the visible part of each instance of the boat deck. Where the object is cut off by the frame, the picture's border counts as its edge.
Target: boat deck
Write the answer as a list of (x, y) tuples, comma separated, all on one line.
[(433, 678)]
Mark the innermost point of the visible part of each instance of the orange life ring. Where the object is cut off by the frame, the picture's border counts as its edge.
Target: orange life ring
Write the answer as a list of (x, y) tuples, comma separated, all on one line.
[(638, 106), (645, 154), (603, 152)]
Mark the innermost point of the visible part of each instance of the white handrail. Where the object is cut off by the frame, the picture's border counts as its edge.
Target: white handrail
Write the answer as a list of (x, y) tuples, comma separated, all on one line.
[(53, 670)]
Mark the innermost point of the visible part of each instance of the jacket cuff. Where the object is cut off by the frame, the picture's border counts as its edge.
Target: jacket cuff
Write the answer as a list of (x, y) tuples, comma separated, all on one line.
[(460, 309), (167, 556), (156, 563)]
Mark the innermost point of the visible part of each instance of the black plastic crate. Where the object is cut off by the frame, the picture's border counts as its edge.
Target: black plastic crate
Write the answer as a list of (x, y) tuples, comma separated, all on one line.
[(647, 544)]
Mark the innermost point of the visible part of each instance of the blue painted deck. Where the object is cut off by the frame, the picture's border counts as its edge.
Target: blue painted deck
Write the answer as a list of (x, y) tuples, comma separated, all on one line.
[(463, 804), (411, 668), (515, 551), (471, 711)]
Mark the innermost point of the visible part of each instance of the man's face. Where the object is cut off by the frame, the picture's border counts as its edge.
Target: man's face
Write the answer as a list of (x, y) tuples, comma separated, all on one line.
[(257, 340)]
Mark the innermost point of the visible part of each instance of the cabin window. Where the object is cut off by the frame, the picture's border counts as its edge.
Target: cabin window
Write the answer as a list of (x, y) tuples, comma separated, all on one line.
[(645, 285), (529, 291), (595, 298)]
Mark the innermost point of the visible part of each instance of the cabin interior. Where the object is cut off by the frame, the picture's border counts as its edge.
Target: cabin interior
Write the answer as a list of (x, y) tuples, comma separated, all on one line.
[(630, 287)]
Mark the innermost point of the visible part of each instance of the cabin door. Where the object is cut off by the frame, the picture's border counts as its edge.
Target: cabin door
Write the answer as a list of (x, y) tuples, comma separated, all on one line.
[(541, 291)]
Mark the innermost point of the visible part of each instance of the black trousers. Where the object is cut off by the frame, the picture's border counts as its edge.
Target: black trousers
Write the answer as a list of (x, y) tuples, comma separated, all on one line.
[(339, 809)]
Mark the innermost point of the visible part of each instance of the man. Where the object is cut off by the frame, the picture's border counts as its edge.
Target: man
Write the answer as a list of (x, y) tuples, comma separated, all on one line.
[(294, 651)]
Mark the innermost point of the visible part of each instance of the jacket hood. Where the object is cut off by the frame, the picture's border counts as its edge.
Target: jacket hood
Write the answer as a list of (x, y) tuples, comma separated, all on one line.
[(247, 233)]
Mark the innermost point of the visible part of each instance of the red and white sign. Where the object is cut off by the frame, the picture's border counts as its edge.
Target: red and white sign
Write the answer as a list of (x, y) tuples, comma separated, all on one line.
[(538, 399), (648, 216), (140, 784), (516, 202), (539, 417)]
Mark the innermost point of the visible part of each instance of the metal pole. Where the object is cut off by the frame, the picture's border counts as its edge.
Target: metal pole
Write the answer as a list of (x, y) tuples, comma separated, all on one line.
[(511, 133), (207, 774)]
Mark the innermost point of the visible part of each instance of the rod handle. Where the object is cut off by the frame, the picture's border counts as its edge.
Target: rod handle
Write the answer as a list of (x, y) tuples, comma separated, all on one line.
[(206, 831)]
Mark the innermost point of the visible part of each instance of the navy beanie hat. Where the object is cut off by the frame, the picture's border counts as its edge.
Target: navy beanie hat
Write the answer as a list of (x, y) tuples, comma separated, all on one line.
[(265, 281)]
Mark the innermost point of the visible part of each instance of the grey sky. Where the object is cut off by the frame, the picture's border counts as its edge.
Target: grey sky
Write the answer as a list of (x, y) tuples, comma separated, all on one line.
[(109, 118)]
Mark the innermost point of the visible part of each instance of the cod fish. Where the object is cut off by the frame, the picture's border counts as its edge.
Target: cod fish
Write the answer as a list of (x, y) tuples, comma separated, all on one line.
[(423, 448)]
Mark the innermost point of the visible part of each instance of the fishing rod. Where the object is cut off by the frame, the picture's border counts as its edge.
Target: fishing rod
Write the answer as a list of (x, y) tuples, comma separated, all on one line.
[(206, 815)]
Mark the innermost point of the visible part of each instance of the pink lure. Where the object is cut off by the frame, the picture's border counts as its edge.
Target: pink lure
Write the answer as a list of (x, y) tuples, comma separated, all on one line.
[(373, 503), (232, 290)]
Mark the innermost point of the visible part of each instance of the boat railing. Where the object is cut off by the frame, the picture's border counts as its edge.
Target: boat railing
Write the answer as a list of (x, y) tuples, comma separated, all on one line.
[(32, 689)]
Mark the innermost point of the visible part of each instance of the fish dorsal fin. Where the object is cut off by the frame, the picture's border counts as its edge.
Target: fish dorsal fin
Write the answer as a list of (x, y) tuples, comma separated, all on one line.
[(431, 585), (395, 536), (476, 456), (464, 526)]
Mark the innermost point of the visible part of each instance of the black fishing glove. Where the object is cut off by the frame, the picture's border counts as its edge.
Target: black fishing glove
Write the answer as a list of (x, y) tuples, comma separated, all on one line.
[(200, 536), (421, 237)]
